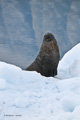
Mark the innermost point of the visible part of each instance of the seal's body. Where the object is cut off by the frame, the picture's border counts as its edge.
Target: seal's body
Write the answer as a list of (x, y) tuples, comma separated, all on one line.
[(47, 60)]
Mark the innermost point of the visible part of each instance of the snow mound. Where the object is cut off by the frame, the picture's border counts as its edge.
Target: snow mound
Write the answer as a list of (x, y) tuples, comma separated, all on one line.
[(2, 84), (75, 68), (70, 57), (10, 73), (36, 97), (69, 66)]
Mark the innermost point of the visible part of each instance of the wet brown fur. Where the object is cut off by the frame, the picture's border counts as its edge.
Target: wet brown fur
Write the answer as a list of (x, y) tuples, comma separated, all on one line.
[(48, 58)]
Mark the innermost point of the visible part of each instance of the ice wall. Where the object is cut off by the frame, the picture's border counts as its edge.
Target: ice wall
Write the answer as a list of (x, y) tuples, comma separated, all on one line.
[(23, 24)]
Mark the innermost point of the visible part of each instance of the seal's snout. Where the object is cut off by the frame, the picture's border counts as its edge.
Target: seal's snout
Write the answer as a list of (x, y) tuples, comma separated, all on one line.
[(48, 37), (48, 40)]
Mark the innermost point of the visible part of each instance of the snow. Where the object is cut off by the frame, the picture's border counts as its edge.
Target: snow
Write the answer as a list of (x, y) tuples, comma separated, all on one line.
[(2, 84), (27, 95), (70, 57)]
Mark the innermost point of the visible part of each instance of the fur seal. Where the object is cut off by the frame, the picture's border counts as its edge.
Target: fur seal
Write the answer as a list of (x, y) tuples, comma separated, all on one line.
[(48, 58)]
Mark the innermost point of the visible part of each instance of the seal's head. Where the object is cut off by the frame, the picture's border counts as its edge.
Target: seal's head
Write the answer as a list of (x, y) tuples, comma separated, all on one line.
[(48, 37)]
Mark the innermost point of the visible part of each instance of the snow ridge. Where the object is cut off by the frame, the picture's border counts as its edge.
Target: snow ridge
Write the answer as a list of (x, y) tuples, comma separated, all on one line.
[(36, 97)]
